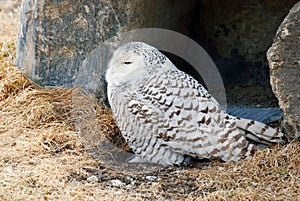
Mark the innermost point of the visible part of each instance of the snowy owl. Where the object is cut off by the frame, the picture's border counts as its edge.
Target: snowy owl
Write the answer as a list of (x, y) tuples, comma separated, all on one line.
[(167, 117)]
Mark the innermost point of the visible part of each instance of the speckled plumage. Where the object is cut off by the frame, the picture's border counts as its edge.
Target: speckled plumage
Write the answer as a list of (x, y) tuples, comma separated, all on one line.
[(166, 116)]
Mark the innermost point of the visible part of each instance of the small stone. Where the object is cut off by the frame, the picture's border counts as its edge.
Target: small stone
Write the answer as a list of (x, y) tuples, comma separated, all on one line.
[(128, 178), (220, 168), (117, 183), (206, 167), (151, 178), (130, 185), (268, 189), (92, 179)]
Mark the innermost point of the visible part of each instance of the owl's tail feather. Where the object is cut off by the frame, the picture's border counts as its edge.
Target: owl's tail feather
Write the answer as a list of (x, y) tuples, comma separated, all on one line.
[(259, 133)]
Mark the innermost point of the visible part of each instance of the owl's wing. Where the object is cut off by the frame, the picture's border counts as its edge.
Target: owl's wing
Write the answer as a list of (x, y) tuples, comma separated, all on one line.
[(179, 110)]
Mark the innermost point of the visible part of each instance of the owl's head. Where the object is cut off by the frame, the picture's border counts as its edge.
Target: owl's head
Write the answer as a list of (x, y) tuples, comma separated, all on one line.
[(135, 61)]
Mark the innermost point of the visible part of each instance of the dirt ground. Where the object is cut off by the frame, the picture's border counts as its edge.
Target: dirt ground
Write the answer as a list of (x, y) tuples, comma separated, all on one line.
[(42, 157)]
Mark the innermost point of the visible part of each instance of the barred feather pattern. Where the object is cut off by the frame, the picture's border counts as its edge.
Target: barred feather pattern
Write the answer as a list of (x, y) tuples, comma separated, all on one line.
[(166, 116)]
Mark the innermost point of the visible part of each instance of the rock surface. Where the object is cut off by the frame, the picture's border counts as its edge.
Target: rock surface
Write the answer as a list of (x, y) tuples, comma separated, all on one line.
[(284, 61), (55, 37)]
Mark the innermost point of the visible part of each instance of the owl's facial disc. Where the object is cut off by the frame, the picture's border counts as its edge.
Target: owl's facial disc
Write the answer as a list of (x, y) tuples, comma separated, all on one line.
[(134, 62), (126, 68)]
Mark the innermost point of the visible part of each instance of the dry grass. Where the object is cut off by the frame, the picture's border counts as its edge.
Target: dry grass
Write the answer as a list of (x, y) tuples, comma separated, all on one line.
[(42, 157)]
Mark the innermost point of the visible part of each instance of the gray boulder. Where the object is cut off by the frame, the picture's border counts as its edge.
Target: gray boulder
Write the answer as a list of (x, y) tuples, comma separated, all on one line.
[(284, 61), (55, 37)]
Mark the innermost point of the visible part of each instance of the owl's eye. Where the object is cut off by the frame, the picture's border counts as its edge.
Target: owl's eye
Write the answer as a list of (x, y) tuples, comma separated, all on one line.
[(127, 62)]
